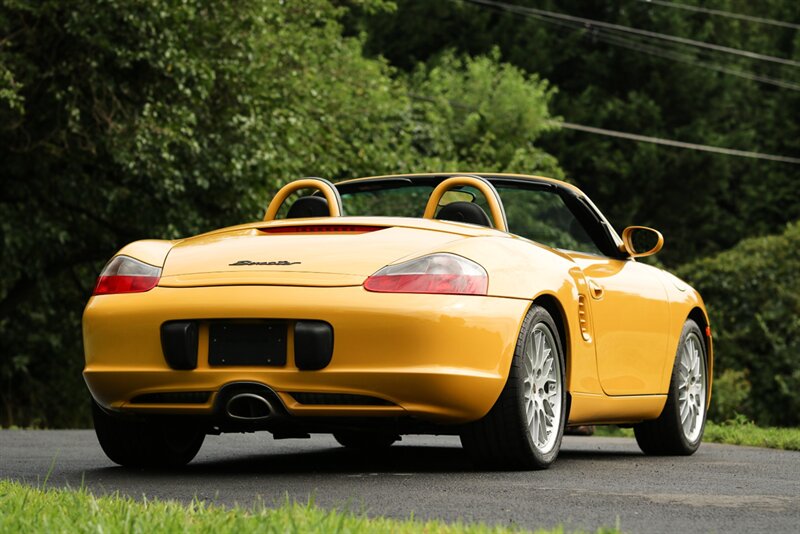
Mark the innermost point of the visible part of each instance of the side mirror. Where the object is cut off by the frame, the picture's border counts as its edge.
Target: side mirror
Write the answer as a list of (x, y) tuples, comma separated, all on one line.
[(640, 241)]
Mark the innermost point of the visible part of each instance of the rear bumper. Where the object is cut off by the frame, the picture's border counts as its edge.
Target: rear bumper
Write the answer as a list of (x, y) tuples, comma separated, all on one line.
[(441, 358)]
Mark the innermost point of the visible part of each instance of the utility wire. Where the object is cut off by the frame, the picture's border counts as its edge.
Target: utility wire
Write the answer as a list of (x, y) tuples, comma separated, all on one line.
[(589, 23), (667, 53), (678, 144), (635, 137), (721, 13), (688, 59)]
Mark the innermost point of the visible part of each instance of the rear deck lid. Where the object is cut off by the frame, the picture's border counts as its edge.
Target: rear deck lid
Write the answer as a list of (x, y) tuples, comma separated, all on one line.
[(302, 254)]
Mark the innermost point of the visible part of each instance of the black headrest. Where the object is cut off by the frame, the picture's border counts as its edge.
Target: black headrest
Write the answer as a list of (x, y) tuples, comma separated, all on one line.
[(308, 207), (464, 212)]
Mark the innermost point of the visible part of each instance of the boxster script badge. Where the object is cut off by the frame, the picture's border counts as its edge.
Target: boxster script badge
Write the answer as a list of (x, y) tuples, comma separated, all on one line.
[(248, 262)]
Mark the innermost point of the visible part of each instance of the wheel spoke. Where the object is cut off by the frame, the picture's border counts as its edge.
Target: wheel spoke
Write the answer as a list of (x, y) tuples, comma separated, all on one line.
[(547, 367), (548, 409), (542, 428), (684, 411), (692, 418), (528, 362)]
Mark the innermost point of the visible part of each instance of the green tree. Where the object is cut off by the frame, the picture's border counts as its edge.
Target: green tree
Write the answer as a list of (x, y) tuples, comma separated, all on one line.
[(702, 202), (163, 118), (489, 114), (753, 296)]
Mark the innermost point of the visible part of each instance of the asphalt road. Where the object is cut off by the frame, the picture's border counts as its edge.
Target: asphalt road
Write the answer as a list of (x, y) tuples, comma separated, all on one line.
[(595, 481)]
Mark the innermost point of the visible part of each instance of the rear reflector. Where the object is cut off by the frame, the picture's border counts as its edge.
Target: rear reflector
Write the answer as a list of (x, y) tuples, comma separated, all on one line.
[(322, 229), (452, 284), (107, 285), (178, 397), (338, 399)]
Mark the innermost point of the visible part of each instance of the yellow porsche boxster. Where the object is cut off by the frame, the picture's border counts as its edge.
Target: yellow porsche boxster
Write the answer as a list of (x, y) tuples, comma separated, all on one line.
[(500, 308)]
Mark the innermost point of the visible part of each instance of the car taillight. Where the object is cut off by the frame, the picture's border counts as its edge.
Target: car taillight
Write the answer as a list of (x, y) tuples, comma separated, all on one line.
[(124, 274), (437, 273)]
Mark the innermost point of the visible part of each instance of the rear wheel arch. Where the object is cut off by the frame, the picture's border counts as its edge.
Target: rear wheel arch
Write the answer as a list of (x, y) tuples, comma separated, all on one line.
[(523, 429)]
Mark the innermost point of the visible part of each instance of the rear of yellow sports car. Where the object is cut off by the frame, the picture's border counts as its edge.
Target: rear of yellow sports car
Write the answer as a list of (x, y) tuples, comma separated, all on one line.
[(260, 325), (372, 327)]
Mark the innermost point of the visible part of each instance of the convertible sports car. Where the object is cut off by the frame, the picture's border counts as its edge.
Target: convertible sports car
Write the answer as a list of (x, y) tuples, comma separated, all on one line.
[(497, 307)]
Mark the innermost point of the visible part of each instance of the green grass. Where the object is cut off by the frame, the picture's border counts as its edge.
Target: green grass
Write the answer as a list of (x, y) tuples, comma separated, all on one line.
[(735, 432), (25, 509), (747, 433)]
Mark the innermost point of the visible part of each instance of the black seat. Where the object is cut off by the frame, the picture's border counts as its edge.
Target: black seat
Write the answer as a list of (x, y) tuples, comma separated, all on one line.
[(305, 207), (466, 212)]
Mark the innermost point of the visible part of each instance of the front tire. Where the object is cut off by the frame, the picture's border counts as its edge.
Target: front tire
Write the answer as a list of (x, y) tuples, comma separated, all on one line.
[(134, 443), (679, 429), (523, 430)]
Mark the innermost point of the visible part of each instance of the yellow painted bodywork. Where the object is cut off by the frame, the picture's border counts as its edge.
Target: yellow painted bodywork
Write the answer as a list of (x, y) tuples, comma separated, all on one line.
[(443, 358)]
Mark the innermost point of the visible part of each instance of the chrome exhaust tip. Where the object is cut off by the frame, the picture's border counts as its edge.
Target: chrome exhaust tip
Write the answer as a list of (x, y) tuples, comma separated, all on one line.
[(248, 407)]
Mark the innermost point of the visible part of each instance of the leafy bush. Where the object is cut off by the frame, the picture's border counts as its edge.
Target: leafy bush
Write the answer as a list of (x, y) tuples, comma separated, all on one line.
[(753, 295), (730, 396)]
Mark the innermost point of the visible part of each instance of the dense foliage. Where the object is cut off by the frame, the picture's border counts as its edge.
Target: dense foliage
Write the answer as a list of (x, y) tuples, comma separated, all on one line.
[(702, 202), (126, 120), (162, 118), (753, 295)]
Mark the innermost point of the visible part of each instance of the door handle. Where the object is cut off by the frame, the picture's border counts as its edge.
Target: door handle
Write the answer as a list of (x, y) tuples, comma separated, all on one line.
[(596, 290)]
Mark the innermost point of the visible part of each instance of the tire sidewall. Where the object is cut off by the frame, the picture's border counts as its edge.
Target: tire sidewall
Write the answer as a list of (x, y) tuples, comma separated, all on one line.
[(690, 327), (538, 315), (131, 442)]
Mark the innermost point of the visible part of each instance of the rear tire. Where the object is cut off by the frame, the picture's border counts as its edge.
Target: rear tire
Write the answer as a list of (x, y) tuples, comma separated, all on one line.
[(523, 430), (134, 443), (365, 440), (679, 429)]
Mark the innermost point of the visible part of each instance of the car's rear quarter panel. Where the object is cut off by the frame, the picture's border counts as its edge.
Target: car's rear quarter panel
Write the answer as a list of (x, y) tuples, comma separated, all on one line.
[(521, 269)]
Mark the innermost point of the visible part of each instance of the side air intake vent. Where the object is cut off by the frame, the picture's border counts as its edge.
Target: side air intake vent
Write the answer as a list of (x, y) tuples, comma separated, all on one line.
[(583, 318)]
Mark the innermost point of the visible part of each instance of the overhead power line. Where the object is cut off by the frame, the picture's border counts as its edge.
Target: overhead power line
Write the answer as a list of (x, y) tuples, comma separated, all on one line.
[(637, 137), (588, 23), (644, 46), (727, 14), (678, 144), (689, 59)]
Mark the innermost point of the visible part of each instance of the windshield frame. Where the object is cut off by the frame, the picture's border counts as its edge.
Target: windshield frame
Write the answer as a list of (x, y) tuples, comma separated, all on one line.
[(582, 208)]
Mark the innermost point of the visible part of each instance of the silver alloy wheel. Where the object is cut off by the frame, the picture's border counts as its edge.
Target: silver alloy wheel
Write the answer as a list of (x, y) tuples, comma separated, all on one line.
[(542, 388), (692, 387)]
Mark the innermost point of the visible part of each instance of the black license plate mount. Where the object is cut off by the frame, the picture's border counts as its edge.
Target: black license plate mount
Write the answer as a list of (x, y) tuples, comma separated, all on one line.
[(254, 343)]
